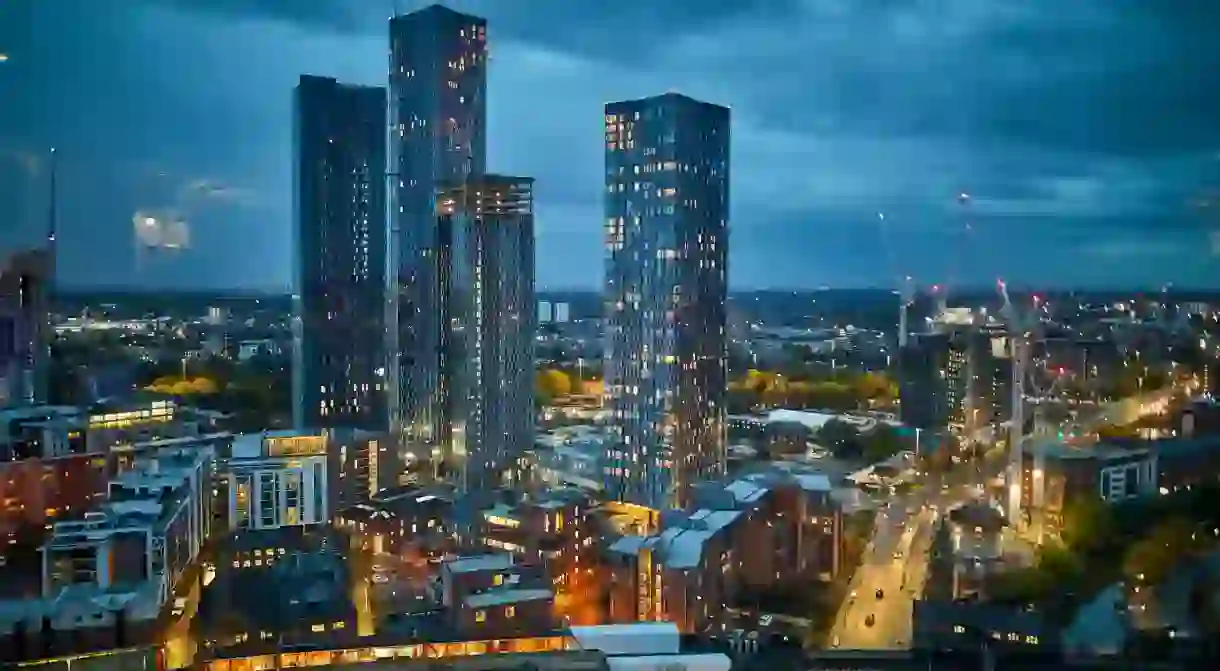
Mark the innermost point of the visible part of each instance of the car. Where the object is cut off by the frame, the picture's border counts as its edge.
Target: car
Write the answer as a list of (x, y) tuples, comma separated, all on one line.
[(880, 594)]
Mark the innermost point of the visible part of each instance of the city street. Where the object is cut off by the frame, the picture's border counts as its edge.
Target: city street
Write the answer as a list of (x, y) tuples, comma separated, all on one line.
[(180, 645), (905, 527)]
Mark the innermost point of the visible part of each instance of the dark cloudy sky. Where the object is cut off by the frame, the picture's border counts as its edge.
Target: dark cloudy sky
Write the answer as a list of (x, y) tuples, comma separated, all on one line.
[(1088, 131)]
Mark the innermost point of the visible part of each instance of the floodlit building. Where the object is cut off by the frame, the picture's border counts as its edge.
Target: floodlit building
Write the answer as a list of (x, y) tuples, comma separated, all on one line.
[(666, 208), (278, 479)]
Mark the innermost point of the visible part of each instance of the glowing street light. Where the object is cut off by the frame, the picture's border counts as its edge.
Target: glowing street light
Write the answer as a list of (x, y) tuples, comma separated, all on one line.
[(3, 58)]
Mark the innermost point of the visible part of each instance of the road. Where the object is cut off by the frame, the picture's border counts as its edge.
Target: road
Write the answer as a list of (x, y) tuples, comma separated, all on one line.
[(180, 644), (896, 559), (896, 562)]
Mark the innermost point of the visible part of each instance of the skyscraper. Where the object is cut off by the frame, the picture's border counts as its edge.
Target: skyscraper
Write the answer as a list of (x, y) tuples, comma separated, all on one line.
[(667, 208), (339, 255), (923, 385), (25, 283), (27, 277), (486, 229), (438, 80)]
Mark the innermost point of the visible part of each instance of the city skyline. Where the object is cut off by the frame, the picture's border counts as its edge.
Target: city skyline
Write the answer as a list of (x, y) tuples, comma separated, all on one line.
[(1093, 172)]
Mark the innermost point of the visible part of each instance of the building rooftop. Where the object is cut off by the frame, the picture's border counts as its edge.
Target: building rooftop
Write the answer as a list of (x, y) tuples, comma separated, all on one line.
[(504, 597), (641, 638), (713, 520), (745, 491), (683, 548), (491, 562), (84, 606), (629, 545), (567, 660)]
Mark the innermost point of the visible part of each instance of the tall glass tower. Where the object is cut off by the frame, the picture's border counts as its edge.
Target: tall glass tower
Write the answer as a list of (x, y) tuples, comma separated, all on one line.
[(487, 242), (667, 208), (339, 255), (438, 81)]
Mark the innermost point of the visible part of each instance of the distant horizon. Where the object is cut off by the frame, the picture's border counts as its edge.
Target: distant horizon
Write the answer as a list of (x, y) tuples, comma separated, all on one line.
[(967, 289)]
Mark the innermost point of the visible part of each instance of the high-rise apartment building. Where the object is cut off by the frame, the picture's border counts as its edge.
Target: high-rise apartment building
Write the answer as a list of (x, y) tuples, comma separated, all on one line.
[(339, 255), (25, 279), (438, 79), (486, 231), (923, 384), (667, 209)]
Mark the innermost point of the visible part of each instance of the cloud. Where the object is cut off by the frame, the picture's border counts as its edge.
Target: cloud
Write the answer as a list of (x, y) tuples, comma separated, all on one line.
[(205, 192), (1067, 122)]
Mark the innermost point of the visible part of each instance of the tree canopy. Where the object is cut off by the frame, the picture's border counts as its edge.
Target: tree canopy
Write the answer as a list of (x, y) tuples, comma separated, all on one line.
[(1152, 558), (178, 386), (550, 384), (837, 392), (1088, 524)]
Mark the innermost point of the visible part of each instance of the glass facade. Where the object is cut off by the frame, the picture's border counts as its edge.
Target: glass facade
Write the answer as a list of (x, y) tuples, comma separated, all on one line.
[(487, 242), (667, 206), (438, 80), (339, 255)]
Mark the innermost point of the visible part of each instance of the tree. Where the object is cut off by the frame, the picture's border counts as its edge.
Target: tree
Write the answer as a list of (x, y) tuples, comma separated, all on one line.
[(741, 399), (776, 392), (1018, 586), (1060, 565), (842, 438), (1118, 432), (936, 461), (873, 386), (550, 384), (758, 380), (1151, 559), (204, 386), (882, 442), (1088, 524)]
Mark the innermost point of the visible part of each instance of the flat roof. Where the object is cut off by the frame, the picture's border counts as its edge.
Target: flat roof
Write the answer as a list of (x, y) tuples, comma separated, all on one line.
[(491, 562), (639, 638), (684, 547), (715, 520), (504, 597)]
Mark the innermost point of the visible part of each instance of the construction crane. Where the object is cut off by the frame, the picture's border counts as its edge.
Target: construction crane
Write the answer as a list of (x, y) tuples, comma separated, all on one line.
[(906, 286), (906, 296), (1020, 327)]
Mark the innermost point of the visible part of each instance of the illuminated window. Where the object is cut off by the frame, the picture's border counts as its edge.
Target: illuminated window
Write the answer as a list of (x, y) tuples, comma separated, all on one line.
[(480, 616), (959, 629), (510, 611), (318, 627)]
